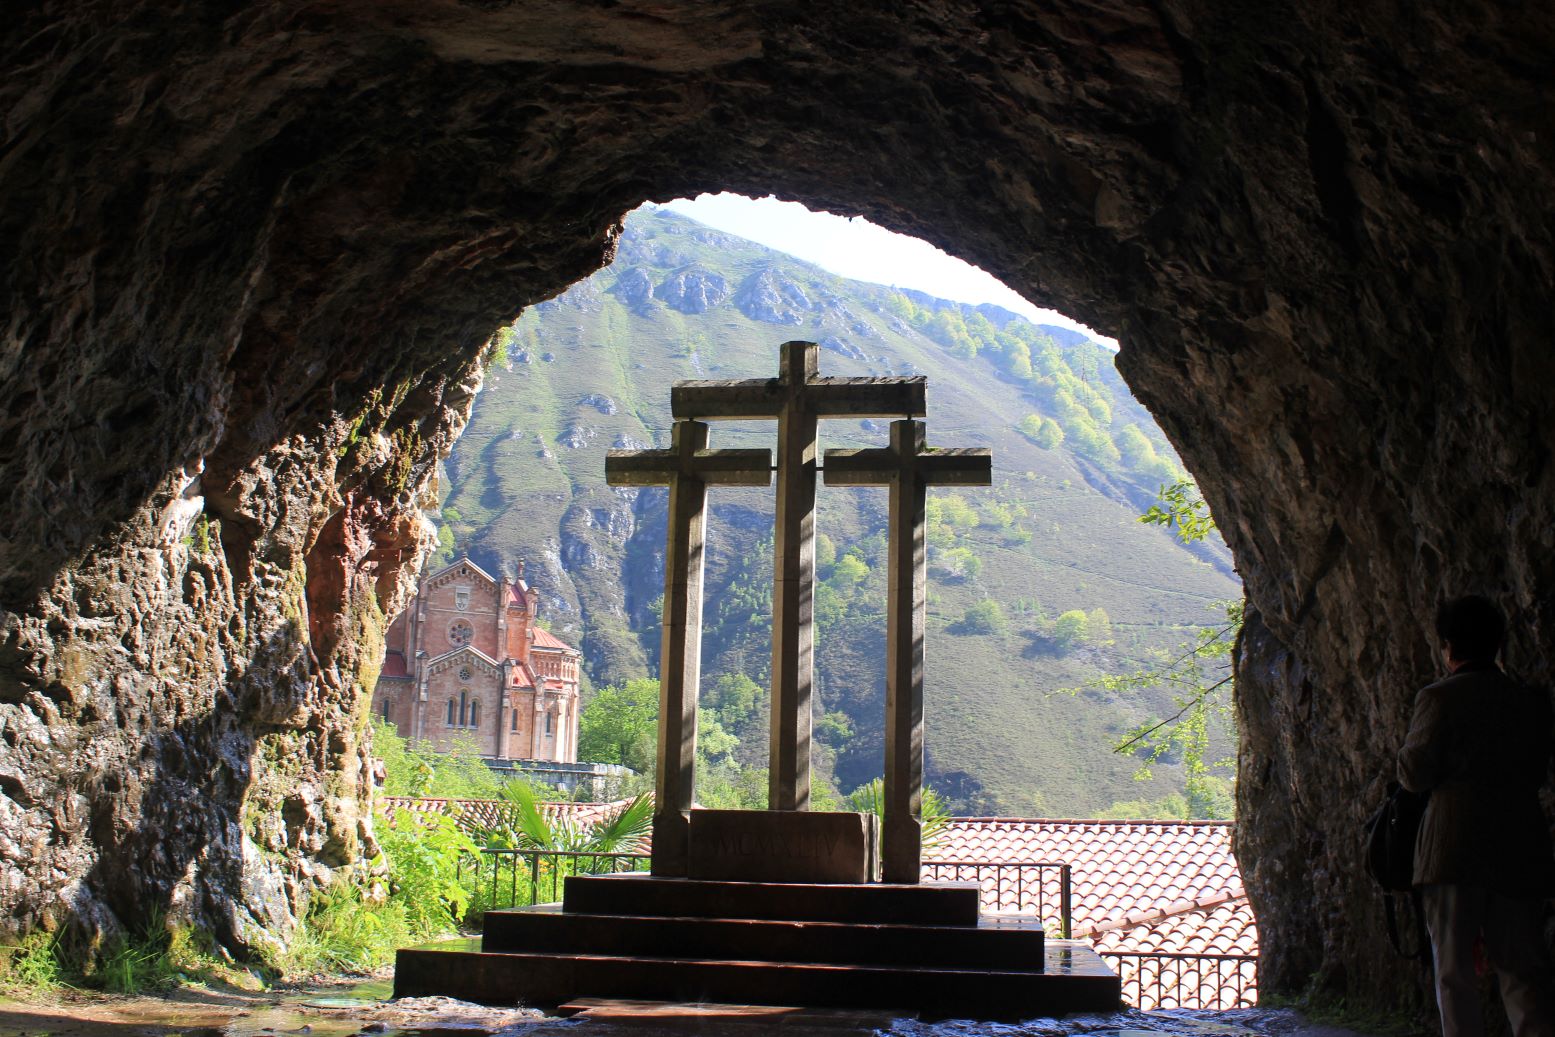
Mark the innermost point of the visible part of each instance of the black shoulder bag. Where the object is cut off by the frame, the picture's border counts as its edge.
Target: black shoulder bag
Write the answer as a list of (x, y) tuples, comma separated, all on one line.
[(1390, 860)]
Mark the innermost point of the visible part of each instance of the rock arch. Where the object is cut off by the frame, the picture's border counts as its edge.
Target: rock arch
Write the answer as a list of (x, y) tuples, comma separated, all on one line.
[(250, 263)]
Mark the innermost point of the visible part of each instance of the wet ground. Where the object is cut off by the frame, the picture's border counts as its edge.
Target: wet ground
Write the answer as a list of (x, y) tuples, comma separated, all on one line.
[(367, 1009)]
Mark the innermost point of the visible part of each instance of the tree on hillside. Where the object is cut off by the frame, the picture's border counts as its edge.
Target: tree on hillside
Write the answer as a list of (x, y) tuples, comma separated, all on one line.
[(954, 510), (1134, 446), (849, 572), (1050, 435), (825, 552), (621, 725), (735, 698), (958, 563), (998, 515), (1071, 628), (984, 617), (1098, 627)]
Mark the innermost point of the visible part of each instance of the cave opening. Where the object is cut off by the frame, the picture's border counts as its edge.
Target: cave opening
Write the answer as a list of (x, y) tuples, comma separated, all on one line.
[(1043, 584)]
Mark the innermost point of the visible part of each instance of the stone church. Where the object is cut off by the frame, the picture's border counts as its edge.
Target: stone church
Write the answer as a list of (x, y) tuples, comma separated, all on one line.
[(467, 657)]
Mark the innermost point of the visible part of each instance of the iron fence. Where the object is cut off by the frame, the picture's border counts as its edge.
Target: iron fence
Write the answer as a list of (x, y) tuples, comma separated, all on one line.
[(542, 871), (1158, 979), (1041, 889)]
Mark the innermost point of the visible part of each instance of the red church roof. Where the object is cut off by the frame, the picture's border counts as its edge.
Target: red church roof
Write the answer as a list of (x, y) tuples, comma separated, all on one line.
[(394, 665), (544, 639), (518, 596)]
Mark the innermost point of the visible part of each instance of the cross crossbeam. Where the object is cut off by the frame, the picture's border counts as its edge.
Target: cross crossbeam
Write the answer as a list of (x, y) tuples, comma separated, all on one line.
[(688, 467), (908, 467), (797, 398)]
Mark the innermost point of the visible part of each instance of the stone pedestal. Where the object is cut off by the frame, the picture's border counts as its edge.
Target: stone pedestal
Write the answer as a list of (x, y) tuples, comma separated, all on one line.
[(784, 846)]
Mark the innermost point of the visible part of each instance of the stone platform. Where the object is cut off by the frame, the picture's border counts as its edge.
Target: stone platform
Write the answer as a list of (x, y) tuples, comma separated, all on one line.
[(806, 846), (920, 949)]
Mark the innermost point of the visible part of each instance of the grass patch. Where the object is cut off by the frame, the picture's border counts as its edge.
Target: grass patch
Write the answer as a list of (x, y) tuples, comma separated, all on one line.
[(156, 956), (33, 963)]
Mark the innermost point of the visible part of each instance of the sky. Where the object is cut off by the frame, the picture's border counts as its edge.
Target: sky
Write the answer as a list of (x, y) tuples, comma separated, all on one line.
[(856, 248)]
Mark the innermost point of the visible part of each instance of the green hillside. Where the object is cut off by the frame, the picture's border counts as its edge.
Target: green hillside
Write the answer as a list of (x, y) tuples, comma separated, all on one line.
[(1075, 462)]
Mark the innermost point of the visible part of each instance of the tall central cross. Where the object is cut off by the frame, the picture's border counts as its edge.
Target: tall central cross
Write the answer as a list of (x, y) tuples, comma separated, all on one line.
[(797, 398), (687, 468), (909, 468)]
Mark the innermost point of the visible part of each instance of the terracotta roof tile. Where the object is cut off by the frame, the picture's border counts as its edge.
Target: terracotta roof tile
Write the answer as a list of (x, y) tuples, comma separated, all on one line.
[(1134, 884)]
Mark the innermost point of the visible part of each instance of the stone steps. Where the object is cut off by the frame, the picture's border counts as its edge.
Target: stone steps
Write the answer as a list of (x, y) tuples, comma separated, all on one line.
[(877, 903), (994, 942), (917, 949), (1072, 979)]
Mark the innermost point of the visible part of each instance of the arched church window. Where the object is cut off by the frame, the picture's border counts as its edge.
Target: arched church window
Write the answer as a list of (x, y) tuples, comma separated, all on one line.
[(464, 706), (385, 709), (548, 723), (460, 634), (513, 721), (475, 713), (450, 712)]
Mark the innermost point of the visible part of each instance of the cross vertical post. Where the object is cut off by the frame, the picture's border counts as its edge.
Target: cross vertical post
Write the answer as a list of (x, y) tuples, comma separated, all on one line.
[(797, 398), (687, 468), (793, 587), (908, 468)]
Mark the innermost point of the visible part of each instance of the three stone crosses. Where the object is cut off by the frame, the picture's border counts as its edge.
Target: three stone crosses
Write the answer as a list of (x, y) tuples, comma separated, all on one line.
[(798, 398)]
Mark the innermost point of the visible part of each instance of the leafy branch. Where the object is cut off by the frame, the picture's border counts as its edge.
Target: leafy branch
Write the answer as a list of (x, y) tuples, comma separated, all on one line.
[(1181, 506), (1197, 675), (1128, 744)]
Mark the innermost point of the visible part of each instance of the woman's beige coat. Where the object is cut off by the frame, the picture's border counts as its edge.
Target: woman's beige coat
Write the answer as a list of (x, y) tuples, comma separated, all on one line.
[(1480, 743)]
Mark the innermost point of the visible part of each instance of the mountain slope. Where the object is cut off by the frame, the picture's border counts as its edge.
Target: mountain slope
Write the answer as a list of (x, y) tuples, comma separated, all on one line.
[(1075, 461)]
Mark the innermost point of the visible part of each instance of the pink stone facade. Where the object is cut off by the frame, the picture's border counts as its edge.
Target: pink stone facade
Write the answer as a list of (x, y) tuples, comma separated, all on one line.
[(466, 658)]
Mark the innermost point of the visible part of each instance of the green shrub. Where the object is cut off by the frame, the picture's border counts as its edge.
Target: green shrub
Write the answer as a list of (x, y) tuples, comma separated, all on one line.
[(424, 853), (357, 927), (417, 770), (984, 617)]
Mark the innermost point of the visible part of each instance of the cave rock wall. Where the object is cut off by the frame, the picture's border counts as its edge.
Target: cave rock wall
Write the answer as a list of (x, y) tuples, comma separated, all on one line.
[(251, 259)]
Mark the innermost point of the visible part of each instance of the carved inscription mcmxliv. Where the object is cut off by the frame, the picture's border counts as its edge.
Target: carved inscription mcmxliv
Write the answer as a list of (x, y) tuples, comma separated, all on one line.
[(783, 845)]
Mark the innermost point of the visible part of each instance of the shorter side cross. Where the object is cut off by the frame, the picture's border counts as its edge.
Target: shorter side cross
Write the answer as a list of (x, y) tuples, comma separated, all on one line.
[(688, 467), (908, 467)]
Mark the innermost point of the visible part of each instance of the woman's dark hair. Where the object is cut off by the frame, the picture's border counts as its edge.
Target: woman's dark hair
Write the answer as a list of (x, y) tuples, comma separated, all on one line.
[(1473, 626)]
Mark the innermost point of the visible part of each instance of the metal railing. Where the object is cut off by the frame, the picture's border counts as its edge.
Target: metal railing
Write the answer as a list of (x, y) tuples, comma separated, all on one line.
[(1158, 979), (543, 871), (1041, 889)]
